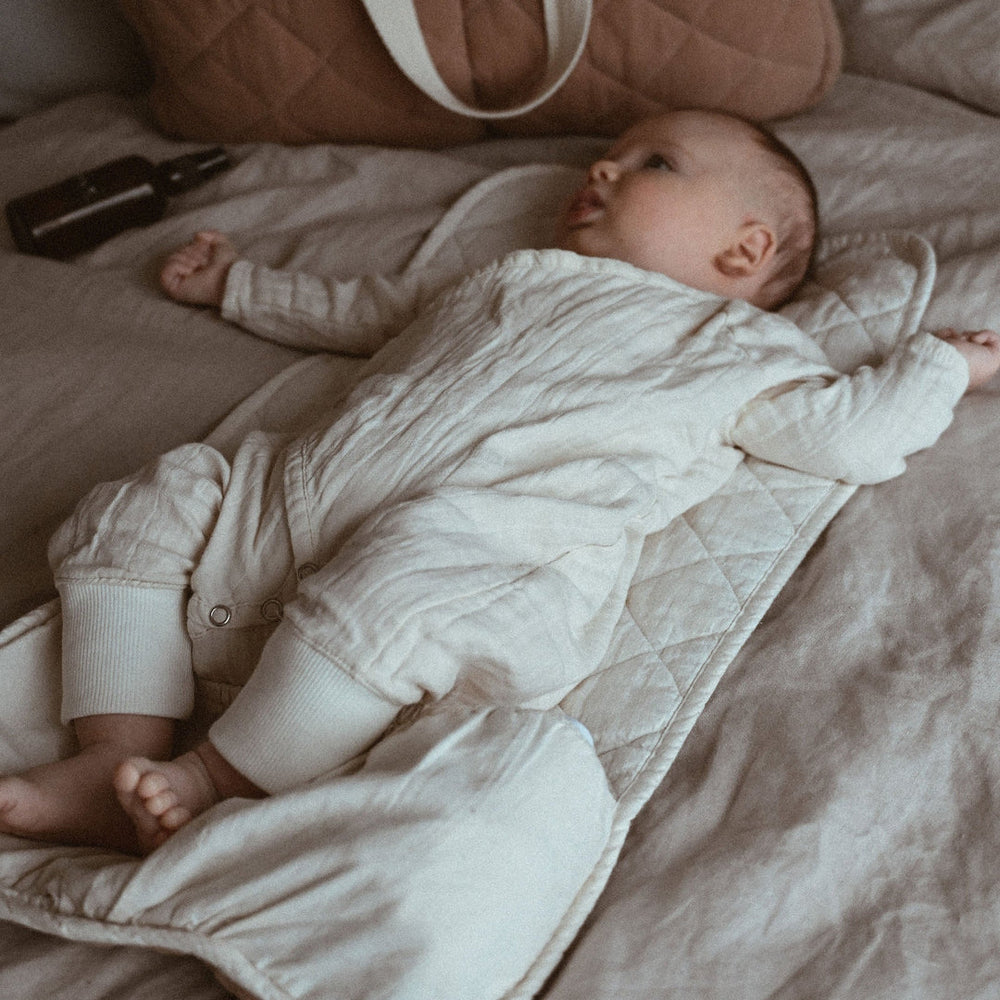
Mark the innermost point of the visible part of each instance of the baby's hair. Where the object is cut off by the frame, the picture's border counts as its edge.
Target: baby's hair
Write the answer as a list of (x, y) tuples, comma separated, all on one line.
[(798, 221)]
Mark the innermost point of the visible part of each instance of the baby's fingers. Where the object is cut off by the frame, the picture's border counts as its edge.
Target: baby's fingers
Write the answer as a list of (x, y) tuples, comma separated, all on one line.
[(985, 338), (173, 273), (988, 338), (185, 261), (212, 243), (181, 264), (210, 236)]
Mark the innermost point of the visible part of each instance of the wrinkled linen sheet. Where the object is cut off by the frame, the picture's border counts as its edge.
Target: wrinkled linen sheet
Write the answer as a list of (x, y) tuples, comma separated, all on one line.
[(828, 828)]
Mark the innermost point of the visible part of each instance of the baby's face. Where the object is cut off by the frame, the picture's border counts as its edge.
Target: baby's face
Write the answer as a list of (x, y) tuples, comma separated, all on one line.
[(668, 197)]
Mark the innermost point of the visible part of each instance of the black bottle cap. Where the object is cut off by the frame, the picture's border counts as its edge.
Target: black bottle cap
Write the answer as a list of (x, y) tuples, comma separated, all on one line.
[(186, 172)]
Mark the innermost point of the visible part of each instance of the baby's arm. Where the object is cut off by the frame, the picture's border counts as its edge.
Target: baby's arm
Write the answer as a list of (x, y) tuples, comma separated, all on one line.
[(861, 427), (196, 273), (353, 316), (981, 350)]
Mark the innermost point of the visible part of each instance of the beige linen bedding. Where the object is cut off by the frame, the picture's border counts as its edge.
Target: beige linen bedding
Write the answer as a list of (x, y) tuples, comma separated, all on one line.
[(829, 828)]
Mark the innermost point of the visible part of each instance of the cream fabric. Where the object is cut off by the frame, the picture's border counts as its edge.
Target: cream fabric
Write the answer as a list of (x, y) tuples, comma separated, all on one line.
[(473, 514), (399, 880)]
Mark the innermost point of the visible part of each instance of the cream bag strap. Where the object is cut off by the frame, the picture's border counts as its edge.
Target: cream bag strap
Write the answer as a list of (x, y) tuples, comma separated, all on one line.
[(567, 23)]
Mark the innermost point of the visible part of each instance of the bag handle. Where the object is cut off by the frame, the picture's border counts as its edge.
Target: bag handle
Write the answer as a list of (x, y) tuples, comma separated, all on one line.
[(567, 23)]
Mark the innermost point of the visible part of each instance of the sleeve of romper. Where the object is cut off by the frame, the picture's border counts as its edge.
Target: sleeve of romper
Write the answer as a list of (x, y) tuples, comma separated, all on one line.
[(354, 316), (858, 428)]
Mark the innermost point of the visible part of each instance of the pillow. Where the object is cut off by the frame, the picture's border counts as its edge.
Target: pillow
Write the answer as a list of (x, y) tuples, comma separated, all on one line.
[(951, 47), (302, 71), (50, 49)]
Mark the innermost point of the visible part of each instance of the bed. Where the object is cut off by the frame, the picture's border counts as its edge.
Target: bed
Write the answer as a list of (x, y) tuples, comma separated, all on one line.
[(812, 814)]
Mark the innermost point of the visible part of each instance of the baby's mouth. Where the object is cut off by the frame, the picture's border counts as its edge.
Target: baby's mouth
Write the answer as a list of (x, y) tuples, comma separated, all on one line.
[(585, 206)]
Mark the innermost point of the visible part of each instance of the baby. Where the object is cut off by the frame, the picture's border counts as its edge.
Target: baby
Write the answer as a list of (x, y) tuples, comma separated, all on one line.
[(467, 522)]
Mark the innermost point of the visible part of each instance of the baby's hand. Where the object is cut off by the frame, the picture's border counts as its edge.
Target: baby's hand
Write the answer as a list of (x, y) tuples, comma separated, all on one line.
[(196, 273), (981, 350)]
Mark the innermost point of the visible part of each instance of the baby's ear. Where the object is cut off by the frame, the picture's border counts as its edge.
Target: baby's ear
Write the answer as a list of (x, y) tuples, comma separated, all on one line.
[(751, 251)]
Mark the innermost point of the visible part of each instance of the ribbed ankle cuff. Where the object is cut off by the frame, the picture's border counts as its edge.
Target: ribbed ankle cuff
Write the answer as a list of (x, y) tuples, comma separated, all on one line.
[(298, 716), (125, 650)]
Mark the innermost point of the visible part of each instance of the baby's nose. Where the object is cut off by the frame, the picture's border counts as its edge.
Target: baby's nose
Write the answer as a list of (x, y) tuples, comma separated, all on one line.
[(603, 170)]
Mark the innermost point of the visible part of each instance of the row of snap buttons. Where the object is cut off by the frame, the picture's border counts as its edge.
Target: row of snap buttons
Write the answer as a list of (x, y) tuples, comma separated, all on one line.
[(272, 610)]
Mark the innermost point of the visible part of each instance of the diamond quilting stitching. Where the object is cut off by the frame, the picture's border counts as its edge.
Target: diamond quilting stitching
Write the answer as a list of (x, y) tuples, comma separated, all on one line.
[(659, 654), (208, 61), (767, 60)]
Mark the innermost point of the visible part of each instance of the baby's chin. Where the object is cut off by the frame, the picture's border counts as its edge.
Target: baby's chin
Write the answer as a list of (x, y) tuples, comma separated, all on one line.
[(563, 238), (590, 241), (577, 240)]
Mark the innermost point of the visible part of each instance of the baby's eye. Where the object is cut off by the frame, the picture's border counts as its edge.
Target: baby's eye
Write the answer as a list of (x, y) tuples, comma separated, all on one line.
[(657, 162)]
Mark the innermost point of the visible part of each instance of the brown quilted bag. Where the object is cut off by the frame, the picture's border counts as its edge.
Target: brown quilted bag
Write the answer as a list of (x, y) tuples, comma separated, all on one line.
[(301, 71)]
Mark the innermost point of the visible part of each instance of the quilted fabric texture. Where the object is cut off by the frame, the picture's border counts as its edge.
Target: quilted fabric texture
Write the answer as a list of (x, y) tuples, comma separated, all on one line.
[(302, 71)]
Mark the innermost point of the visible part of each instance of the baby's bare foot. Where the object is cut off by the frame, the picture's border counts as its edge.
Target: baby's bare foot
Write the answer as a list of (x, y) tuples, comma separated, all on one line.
[(160, 797), (69, 801)]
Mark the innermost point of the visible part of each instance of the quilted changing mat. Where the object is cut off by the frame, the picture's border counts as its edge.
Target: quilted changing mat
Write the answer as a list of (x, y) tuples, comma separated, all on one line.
[(463, 856)]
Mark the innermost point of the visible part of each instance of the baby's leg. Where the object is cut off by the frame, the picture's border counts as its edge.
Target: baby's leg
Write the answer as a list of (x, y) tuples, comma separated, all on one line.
[(72, 801), (161, 796)]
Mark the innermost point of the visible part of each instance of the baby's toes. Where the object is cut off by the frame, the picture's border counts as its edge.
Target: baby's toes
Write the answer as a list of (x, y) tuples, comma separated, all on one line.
[(129, 776), (151, 783), (126, 778), (174, 818), (160, 802)]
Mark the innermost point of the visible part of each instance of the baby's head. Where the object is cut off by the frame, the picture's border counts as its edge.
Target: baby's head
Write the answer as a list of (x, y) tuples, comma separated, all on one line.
[(710, 200)]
